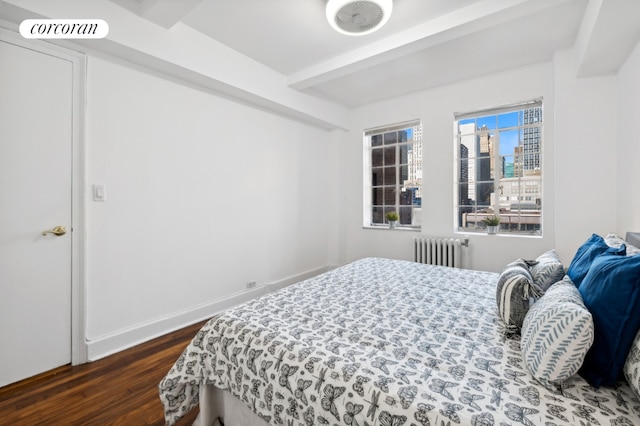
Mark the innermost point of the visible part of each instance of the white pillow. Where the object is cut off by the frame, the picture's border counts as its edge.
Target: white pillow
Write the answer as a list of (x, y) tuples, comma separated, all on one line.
[(614, 240), (557, 333)]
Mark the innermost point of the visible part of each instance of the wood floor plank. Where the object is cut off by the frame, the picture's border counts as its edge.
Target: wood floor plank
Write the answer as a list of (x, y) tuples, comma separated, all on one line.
[(121, 389)]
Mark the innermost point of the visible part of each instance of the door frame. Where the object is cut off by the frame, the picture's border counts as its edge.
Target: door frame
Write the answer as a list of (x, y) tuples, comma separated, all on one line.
[(9, 34)]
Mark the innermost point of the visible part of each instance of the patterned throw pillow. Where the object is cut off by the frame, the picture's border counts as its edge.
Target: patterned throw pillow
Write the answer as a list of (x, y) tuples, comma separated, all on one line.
[(616, 241), (515, 288), (557, 333), (631, 368), (547, 270)]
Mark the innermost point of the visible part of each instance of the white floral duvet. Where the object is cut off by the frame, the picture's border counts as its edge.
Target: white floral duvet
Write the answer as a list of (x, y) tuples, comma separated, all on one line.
[(381, 342)]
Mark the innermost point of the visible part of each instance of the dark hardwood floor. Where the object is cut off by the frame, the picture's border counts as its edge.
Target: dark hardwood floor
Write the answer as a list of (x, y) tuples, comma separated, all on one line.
[(121, 389)]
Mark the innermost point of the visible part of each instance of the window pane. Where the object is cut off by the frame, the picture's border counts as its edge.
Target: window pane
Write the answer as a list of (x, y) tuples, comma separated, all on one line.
[(403, 135), (376, 196), (390, 137), (483, 193), (531, 164), (532, 115), (389, 196), (377, 215), (389, 175), (390, 156), (488, 122), (376, 140), (509, 140), (463, 195), (405, 215), (404, 174), (376, 176), (482, 170), (466, 127), (506, 166), (509, 119), (404, 153), (517, 165), (469, 218), (376, 157), (406, 197)]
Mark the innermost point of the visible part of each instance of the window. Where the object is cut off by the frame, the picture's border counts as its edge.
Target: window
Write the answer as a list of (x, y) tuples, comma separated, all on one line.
[(499, 168), (393, 174)]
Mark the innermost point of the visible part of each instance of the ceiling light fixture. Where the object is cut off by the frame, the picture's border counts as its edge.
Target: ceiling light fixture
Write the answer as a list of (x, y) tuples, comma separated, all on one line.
[(358, 17)]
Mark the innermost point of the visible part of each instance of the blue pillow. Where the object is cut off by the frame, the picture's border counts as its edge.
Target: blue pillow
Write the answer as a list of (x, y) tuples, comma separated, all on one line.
[(611, 292), (588, 251)]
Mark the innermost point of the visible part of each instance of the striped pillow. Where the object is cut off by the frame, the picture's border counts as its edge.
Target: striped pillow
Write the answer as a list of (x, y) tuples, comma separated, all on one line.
[(547, 269), (515, 288), (557, 333)]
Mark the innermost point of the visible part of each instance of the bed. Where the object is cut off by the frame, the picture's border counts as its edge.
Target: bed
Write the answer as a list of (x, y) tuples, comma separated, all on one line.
[(379, 342)]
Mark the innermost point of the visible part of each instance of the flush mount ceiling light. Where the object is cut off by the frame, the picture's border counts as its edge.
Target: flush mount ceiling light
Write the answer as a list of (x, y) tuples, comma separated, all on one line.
[(358, 17)]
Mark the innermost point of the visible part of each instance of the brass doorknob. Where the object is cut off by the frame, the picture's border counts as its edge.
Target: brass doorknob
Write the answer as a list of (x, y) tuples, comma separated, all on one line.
[(58, 230)]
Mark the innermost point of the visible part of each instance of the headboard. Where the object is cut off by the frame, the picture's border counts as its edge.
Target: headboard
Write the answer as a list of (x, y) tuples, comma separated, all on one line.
[(633, 238)]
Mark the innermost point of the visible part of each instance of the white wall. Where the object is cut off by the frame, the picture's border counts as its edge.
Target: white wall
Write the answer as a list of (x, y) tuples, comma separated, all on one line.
[(629, 145), (586, 154), (203, 195), (436, 108)]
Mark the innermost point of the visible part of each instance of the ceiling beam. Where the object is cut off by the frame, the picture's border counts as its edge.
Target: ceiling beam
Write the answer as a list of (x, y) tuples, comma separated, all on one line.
[(189, 56), (459, 23), (601, 50), (165, 13)]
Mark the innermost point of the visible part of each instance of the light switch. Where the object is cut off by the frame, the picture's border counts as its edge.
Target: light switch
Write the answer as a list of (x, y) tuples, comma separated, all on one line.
[(99, 193)]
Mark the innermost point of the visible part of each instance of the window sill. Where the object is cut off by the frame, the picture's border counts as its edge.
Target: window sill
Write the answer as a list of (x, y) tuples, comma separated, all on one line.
[(397, 228), (499, 234)]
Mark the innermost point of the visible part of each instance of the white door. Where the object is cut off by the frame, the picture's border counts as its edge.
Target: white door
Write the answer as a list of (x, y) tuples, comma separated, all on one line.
[(35, 196)]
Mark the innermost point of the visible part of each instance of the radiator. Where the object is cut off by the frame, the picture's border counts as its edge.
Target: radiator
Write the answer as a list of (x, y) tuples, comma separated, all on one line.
[(438, 251)]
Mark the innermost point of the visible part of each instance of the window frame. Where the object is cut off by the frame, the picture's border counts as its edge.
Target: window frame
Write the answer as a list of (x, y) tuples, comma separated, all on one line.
[(413, 169), (527, 218)]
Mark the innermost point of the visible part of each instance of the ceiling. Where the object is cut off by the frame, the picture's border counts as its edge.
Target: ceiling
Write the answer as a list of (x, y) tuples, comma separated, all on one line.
[(424, 44), (293, 35), (283, 55)]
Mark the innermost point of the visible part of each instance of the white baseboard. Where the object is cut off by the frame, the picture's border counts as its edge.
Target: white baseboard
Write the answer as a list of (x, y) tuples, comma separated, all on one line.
[(124, 339), (293, 279)]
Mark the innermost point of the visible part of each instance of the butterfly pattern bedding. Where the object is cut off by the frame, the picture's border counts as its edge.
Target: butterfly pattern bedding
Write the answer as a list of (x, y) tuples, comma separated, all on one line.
[(381, 342)]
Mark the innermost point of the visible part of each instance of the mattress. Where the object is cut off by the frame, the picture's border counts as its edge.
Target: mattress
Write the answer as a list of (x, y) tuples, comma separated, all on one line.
[(381, 342)]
